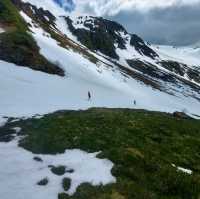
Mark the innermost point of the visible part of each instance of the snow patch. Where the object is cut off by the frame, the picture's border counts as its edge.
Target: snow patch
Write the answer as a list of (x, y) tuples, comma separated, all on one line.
[(17, 129), (1, 30), (20, 173), (3, 120), (187, 171), (63, 27), (80, 22)]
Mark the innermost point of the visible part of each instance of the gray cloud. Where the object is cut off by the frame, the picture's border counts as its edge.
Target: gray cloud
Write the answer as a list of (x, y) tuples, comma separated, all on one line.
[(177, 25)]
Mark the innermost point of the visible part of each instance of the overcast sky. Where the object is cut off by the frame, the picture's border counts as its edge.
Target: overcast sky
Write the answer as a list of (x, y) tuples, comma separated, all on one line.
[(175, 25), (174, 22)]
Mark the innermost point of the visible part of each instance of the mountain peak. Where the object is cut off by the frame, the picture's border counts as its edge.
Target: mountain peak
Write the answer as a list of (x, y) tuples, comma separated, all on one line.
[(106, 36)]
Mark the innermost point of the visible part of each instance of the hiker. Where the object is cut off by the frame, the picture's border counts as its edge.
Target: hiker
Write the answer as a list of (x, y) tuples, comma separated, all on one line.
[(89, 96), (135, 102)]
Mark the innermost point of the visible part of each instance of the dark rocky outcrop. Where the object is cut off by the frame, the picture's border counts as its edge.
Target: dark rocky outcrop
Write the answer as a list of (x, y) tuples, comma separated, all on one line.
[(181, 115), (150, 70), (142, 47), (99, 35), (105, 35), (37, 159), (174, 66), (181, 69), (194, 75), (38, 14)]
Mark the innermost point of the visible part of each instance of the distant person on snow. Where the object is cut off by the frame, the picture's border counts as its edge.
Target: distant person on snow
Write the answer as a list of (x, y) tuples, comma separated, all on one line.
[(89, 96), (135, 102)]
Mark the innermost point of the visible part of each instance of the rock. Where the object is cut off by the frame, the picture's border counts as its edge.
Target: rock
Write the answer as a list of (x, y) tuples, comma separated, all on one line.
[(43, 182), (142, 47), (38, 159), (59, 170), (70, 171), (181, 115)]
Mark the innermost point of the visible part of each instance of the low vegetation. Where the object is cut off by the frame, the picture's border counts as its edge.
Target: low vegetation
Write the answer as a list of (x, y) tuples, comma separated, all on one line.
[(66, 182), (142, 145), (9, 15), (17, 45), (59, 170)]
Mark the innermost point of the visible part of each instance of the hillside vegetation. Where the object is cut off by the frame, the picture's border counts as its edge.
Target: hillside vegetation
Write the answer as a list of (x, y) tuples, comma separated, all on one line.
[(17, 45), (142, 145)]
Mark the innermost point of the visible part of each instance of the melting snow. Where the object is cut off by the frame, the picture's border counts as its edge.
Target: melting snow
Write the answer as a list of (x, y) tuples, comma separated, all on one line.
[(187, 171), (1, 30), (20, 173), (17, 129), (3, 120)]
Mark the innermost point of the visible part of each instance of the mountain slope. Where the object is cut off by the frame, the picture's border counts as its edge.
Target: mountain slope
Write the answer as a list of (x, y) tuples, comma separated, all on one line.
[(152, 155), (16, 45), (51, 61)]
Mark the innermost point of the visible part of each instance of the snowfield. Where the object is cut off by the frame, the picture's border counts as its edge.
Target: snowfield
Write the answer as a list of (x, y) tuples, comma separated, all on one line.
[(20, 173), (186, 55), (24, 92)]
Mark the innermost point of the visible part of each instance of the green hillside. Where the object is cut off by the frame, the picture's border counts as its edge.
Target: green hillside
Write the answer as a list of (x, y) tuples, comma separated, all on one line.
[(142, 145)]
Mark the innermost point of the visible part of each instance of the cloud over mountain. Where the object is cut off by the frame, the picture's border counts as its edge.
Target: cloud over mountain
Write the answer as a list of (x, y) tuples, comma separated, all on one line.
[(113, 7), (174, 25), (68, 5), (174, 22)]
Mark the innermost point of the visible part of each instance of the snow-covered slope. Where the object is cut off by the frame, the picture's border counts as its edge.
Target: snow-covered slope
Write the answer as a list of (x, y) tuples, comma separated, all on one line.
[(21, 173), (25, 92), (187, 55), (138, 72), (51, 63)]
